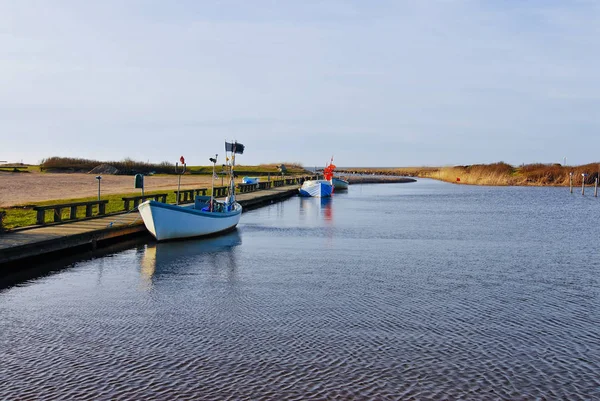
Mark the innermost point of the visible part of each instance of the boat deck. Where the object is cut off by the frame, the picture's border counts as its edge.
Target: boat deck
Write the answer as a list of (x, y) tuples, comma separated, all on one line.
[(67, 237)]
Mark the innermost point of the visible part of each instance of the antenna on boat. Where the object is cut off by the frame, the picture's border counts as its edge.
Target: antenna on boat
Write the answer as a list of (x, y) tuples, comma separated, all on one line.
[(182, 160), (232, 176), (233, 147), (212, 192)]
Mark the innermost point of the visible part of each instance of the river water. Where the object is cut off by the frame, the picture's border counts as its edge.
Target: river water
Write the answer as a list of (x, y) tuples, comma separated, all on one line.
[(425, 290)]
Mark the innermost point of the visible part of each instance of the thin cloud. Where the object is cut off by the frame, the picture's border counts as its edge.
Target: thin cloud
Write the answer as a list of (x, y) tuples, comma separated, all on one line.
[(151, 78)]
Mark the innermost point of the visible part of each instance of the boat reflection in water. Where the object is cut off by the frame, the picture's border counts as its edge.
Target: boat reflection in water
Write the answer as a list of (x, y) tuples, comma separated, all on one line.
[(316, 208), (186, 257)]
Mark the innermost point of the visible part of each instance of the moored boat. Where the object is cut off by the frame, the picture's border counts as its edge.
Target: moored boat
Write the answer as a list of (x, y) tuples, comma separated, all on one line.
[(165, 221), (339, 183), (316, 188), (206, 216)]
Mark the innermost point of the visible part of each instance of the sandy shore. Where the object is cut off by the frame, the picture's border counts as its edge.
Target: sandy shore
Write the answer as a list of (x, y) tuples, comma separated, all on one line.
[(29, 188)]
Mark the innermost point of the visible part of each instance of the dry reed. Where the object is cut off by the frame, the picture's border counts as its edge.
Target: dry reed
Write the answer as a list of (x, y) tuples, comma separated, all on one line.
[(500, 173)]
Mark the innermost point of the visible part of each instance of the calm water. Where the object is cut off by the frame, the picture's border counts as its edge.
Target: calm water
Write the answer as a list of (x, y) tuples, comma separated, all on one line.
[(397, 291)]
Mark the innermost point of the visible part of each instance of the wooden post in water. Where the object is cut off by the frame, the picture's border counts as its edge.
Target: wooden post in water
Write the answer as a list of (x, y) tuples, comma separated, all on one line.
[(596, 188), (583, 175), (571, 182)]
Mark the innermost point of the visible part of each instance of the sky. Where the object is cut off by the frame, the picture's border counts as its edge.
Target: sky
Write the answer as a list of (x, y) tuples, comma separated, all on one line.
[(372, 83)]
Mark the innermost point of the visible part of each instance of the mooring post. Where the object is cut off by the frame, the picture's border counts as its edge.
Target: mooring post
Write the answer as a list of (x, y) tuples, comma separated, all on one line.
[(583, 175), (98, 177), (596, 187), (571, 182)]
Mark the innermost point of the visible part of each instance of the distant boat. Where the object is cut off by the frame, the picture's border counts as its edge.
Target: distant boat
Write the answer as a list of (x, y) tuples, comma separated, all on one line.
[(338, 183), (323, 188), (206, 216), (316, 188)]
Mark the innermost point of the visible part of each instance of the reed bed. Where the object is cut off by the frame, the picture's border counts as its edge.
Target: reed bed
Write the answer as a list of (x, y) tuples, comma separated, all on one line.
[(497, 174), (126, 166)]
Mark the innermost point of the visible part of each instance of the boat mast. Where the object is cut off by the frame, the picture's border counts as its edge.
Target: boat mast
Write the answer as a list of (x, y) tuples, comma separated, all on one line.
[(231, 178), (234, 148), (212, 191)]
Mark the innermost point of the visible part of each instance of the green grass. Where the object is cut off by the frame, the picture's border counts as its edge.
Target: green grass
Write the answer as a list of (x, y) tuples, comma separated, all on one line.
[(11, 169), (22, 216)]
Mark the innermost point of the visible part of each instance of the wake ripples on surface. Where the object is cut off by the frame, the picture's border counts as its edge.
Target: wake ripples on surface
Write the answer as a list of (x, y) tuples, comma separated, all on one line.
[(372, 334)]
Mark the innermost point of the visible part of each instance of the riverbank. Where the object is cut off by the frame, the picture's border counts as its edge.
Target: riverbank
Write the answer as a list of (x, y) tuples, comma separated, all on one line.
[(498, 174)]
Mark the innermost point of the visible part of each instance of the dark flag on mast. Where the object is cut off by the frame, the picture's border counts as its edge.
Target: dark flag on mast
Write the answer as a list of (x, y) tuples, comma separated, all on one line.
[(234, 147)]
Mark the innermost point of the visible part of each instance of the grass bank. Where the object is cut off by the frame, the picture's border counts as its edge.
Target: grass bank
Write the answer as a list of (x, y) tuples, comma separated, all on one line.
[(537, 174), (23, 216)]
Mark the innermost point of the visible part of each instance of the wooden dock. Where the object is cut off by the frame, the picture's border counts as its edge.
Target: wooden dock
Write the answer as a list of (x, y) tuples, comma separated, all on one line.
[(71, 237)]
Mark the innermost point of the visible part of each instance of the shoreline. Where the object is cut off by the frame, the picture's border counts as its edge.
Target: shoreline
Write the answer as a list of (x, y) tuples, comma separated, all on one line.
[(355, 180), (496, 174)]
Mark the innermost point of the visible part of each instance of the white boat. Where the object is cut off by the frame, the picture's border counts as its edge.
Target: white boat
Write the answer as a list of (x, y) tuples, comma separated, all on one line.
[(316, 188), (165, 221), (323, 188), (206, 216), (338, 183)]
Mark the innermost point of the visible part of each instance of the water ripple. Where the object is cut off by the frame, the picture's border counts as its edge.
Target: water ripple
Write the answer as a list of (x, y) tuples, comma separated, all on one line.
[(431, 302)]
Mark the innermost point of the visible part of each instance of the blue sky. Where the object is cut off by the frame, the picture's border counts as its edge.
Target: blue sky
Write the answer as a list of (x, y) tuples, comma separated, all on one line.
[(382, 83)]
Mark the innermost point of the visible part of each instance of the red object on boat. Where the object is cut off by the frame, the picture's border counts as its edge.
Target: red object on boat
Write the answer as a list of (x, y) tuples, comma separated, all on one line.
[(328, 172), (182, 160)]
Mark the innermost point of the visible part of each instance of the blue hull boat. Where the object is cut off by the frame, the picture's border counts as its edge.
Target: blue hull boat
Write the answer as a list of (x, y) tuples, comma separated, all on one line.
[(316, 188)]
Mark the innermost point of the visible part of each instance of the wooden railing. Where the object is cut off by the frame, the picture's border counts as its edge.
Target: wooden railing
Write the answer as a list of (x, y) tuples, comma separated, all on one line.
[(139, 199), (265, 185), (185, 196), (220, 192), (188, 195), (244, 188), (58, 209)]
